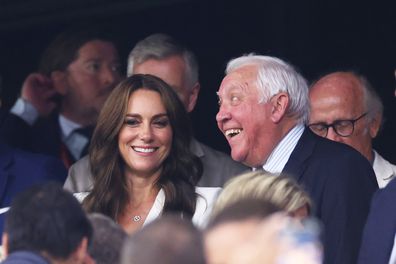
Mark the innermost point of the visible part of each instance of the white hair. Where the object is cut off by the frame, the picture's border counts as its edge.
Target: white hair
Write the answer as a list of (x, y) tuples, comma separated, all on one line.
[(275, 76)]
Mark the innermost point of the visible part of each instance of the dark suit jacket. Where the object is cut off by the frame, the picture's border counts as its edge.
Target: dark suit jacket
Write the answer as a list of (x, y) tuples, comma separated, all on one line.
[(341, 183), (379, 232), (43, 137), (20, 170)]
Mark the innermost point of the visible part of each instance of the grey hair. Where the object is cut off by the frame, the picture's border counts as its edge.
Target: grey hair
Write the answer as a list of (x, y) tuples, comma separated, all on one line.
[(372, 102), (161, 46), (275, 76)]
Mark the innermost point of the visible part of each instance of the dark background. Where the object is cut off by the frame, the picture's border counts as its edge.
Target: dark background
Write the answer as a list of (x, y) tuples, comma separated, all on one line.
[(316, 36)]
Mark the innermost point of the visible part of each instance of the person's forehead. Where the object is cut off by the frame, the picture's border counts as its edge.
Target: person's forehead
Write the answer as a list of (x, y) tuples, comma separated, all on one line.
[(343, 87), (97, 48)]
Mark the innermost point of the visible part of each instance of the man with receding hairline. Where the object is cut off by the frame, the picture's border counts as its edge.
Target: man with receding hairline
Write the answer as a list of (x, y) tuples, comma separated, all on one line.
[(346, 108)]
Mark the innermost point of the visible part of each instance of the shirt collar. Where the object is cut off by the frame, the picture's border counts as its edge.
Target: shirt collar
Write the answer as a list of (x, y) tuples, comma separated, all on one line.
[(281, 154), (157, 207), (67, 126)]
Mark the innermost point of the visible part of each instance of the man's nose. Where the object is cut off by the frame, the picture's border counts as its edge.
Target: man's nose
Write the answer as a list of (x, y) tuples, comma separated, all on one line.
[(223, 114), (332, 135), (110, 76)]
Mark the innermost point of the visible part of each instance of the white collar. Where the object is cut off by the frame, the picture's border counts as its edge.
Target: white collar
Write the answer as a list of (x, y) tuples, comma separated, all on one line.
[(67, 126), (157, 207), (384, 170), (281, 153)]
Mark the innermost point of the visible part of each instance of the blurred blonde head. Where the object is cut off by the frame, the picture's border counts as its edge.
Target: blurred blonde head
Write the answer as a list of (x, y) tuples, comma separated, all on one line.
[(280, 190)]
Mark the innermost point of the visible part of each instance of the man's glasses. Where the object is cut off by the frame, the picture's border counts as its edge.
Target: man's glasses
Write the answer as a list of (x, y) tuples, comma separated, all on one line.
[(343, 128)]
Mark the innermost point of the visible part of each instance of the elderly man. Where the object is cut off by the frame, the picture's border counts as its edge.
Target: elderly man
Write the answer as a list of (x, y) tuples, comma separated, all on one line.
[(345, 108), (263, 108), (164, 57)]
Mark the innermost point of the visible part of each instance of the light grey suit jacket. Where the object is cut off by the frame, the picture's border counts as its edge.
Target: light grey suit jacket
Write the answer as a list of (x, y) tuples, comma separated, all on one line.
[(217, 169)]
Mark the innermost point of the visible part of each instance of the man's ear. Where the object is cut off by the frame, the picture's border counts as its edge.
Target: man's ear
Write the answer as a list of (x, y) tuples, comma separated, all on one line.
[(59, 81), (192, 100), (375, 125), (279, 105), (4, 242)]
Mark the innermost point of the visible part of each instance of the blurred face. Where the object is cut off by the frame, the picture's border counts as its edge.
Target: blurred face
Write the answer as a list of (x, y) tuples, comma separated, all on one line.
[(338, 97), (88, 81), (145, 139), (224, 241), (244, 122), (172, 70)]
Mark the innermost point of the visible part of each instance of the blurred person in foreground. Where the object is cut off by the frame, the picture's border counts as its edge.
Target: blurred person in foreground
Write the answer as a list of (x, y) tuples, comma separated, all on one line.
[(168, 240), (46, 225), (279, 190), (107, 240), (251, 231), (141, 164)]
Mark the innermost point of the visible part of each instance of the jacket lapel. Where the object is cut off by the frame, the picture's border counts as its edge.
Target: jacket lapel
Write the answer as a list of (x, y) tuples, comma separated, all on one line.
[(299, 158)]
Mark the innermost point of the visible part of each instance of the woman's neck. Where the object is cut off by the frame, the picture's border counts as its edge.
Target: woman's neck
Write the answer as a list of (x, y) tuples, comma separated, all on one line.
[(142, 189)]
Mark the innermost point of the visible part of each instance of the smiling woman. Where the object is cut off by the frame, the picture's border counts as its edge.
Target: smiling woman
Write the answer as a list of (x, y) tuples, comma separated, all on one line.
[(140, 158)]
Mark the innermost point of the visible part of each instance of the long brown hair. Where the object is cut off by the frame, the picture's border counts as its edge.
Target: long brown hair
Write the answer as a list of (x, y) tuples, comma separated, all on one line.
[(181, 169)]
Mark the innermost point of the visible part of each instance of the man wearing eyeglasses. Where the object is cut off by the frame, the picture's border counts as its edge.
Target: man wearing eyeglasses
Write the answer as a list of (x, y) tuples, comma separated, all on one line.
[(345, 108)]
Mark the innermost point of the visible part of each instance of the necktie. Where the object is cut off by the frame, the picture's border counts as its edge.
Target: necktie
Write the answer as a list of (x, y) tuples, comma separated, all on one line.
[(87, 133)]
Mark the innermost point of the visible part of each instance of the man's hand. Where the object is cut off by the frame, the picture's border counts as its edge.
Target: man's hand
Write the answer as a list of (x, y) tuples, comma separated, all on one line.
[(38, 90)]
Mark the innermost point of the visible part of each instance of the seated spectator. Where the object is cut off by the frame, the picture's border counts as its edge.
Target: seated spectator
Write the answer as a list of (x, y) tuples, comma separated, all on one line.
[(46, 224), (279, 190), (263, 110), (346, 108), (59, 104), (141, 163), (20, 170), (250, 231), (107, 241), (168, 240)]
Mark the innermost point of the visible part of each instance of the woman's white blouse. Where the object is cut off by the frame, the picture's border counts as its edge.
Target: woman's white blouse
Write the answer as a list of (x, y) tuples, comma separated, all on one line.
[(206, 198)]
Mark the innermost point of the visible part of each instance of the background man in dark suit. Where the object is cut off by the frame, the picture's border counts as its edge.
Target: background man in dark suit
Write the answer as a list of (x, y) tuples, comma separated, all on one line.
[(263, 109), (78, 70), (19, 170)]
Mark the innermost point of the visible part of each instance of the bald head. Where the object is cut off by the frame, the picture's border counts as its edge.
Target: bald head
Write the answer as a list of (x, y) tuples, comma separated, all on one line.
[(344, 96)]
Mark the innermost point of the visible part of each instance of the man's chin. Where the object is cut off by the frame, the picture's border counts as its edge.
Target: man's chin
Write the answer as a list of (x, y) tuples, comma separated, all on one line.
[(238, 156)]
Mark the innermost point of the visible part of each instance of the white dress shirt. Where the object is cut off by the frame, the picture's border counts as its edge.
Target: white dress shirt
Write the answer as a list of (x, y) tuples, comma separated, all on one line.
[(384, 170), (281, 154)]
